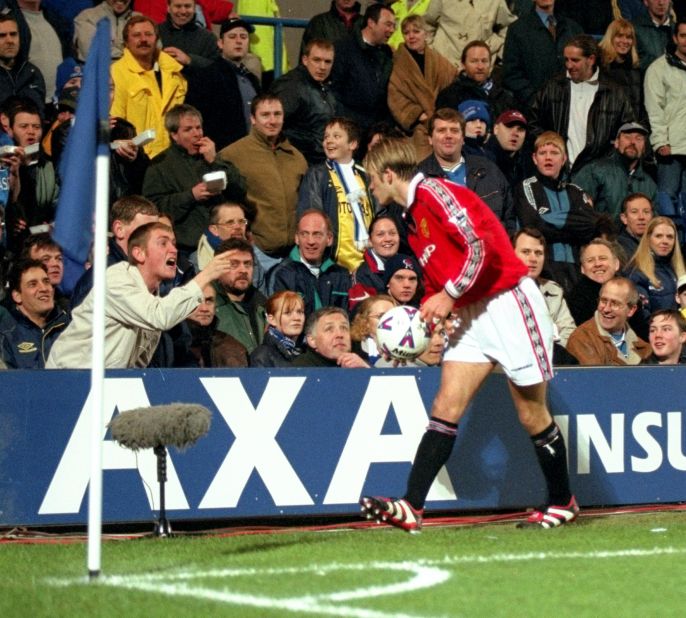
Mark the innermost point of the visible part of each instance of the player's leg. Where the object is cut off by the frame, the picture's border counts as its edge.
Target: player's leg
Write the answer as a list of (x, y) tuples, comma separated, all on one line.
[(551, 452), (459, 383)]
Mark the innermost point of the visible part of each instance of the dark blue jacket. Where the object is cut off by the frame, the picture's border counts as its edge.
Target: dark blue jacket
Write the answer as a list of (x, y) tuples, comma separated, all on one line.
[(330, 289), (25, 345), (652, 298)]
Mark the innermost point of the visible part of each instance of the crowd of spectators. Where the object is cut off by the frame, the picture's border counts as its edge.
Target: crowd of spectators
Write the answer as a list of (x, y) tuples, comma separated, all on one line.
[(243, 231)]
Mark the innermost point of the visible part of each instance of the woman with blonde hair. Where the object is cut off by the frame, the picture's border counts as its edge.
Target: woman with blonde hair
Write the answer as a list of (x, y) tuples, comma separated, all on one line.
[(285, 323), (419, 74), (363, 327), (656, 266), (619, 60)]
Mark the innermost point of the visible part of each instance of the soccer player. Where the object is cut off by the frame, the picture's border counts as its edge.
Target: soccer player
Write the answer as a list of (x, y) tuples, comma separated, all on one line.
[(470, 269)]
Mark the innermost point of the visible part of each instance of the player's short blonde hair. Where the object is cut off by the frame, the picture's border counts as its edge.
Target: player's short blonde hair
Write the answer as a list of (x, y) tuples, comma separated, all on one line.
[(394, 154)]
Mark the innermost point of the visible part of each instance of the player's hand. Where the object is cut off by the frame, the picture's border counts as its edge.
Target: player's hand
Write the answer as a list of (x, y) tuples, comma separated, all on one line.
[(437, 307), (350, 359)]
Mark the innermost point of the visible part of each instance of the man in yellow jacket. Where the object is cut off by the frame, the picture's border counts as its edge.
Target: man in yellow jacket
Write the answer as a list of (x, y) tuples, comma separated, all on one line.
[(147, 82)]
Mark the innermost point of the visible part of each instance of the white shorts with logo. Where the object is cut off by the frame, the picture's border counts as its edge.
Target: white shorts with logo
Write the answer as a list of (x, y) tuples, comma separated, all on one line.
[(513, 329)]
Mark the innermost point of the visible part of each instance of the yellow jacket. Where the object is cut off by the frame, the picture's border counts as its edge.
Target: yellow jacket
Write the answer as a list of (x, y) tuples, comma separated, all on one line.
[(137, 97), (262, 40)]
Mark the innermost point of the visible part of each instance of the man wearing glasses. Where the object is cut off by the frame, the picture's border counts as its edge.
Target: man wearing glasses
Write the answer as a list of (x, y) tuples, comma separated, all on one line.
[(175, 179), (227, 220), (607, 338)]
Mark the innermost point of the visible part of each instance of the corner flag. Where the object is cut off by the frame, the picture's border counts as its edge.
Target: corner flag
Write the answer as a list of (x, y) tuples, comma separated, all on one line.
[(88, 138)]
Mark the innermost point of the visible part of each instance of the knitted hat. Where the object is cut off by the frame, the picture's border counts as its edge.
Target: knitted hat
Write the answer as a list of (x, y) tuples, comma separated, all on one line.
[(398, 262), (474, 110)]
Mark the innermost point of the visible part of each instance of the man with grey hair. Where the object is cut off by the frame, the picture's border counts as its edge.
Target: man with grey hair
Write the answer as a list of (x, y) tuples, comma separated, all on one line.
[(607, 338), (327, 333), (175, 180)]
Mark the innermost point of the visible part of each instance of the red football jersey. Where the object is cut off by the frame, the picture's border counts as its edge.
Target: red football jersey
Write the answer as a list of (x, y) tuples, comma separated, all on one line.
[(461, 245)]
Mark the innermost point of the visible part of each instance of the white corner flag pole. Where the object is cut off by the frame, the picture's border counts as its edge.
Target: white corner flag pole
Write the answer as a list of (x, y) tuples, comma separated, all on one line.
[(102, 190)]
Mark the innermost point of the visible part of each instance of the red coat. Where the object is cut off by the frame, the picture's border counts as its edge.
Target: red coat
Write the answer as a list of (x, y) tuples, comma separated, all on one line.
[(460, 243), (215, 11)]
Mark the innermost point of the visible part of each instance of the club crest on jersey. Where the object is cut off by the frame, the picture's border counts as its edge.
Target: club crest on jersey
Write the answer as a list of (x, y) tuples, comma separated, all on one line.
[(424, 228)]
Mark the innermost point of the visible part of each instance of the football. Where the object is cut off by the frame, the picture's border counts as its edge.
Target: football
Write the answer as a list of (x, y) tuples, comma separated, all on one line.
[(402, 334)]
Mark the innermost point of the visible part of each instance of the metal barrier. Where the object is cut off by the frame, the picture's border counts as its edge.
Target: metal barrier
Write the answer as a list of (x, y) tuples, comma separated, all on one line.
[(279, 23)]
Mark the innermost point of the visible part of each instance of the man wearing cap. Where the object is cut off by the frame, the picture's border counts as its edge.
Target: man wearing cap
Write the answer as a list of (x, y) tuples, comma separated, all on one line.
[(475, 82), (610, 179), (583, 106), (664, 86), (184, 39), (446, 136), (222, 91), (507, 146), (402, 276)]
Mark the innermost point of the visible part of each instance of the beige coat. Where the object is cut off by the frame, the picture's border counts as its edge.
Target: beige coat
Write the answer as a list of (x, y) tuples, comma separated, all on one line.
[(410, 94), (273, 175)]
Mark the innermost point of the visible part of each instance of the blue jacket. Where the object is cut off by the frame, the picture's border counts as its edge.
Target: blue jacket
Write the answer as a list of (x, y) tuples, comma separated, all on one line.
[(25, 345), (329, 289), (652, 298)]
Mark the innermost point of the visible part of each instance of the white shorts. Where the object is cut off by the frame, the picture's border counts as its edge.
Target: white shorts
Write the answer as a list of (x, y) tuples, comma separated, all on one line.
[(513, 329)]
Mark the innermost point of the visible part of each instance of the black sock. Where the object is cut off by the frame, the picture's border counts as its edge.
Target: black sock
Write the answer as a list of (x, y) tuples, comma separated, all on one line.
[(552, 457), (433, 451)]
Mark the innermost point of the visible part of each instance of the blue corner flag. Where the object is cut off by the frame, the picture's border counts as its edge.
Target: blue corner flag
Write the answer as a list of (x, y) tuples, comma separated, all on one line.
[(88, 138)]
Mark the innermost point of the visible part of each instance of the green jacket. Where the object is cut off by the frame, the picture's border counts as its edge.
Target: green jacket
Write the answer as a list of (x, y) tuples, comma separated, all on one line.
[(608, 182), (169, 182), (244, 321)]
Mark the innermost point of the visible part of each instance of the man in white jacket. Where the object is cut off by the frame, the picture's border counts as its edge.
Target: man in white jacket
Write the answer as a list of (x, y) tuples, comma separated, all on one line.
[(135, 314), (665, 88)]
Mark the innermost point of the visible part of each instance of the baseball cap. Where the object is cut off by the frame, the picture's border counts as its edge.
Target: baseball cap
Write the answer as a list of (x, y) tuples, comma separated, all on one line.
[(632, 127), (681, 284), (398, 262), (510, 117), (235, 22), (474, 110)]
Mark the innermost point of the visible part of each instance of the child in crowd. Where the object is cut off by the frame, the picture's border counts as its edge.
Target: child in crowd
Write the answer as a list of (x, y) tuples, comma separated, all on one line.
[(477, 122), (340, 188)]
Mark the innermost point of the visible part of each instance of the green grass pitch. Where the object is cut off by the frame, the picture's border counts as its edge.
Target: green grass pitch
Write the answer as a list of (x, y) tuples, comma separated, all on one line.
[(628, 565)]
